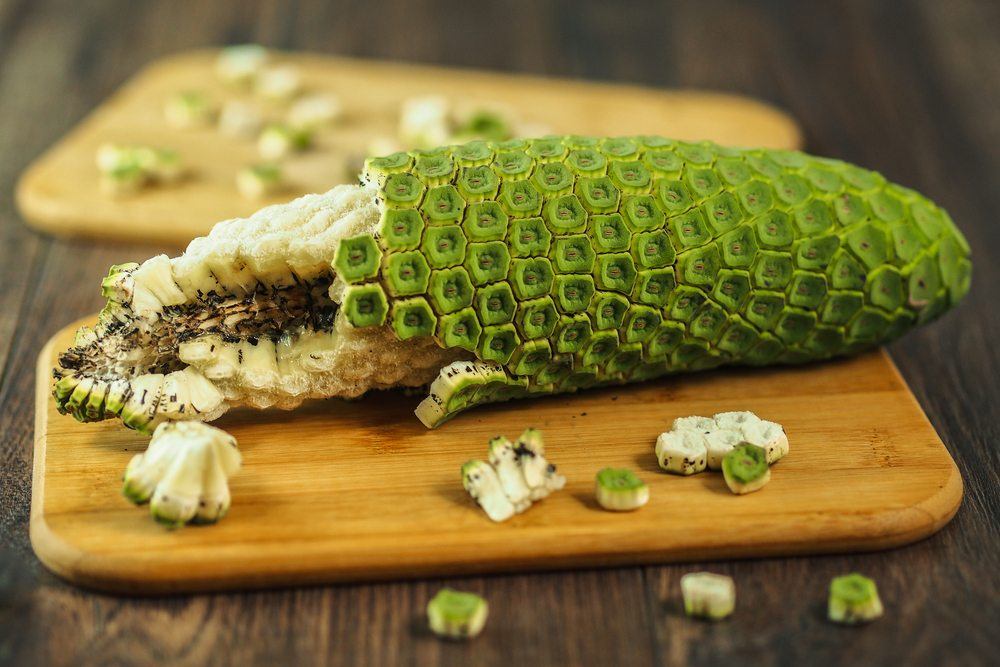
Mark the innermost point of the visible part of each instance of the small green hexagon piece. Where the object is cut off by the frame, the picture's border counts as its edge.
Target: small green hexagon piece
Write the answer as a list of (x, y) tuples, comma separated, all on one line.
[(553, 179), (790, 159), (823, 179), (684, 302), (869, 243), (691, 228), (377, 168), (663, 162), (609, 233), (722, 212), (555, 371), (401, 229), (598, 195), (696, 153), (642, 213), (930, 220), (602, 345), (739, 247), (529, 237), (732, 288), (547, 149), (886, 207), (520, 199), (513, 165), (845, 271), (478, 183), (444, 246), (443, 204), (708, 321), (615, 271), (625, 358), (849, 208), (733, 170), (653, 286), (365, 305), (792, 189), (756, 197), (587, 162), (619, 148), (923, 282), (641, 323), (807, 289), (774, 230), (498, 343), (536, 318), (450, 289), (357, 258), (674, 196), (495, 304), (813, 217), (530, 357), (772, 270), (652, 250), (487, 262), (860, 179), (573, 292), (565, 215), (664, 340), (703, 183), (815, 253), (572, 333), (840, 306), (412, 318), (737, 336), (630, 176), (573, 254), (699, 266), (434, 169), (406, 273), (907, 241), (764, 308), (901, 321), (763, 165), (824, 341), (607, 310), (531, 276), (459, 329), (868, 325), (688, 353), (473, 154), (485, 221), (794, 325)]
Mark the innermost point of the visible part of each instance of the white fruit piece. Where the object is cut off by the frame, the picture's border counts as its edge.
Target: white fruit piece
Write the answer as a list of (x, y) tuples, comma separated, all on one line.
[(425, 122), (483, 484), (678, 453), (278, 83), (768, 435), (540, 475), (240, 119), (314, 112), (240, 64), (259, 181), (695, 422), (504, 460), (188, 109), (708, 595), (278, 141), (718, 443)]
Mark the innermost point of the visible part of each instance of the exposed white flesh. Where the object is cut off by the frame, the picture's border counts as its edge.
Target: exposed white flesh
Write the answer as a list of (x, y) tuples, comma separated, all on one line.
[(483, 484)]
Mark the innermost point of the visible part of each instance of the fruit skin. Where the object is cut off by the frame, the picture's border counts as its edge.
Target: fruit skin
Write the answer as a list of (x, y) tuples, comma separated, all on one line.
[(853, 599), (745, 468), (455, 614), (762, 244)]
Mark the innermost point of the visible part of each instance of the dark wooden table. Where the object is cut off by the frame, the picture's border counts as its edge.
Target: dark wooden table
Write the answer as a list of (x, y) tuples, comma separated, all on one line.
[(909, 88)]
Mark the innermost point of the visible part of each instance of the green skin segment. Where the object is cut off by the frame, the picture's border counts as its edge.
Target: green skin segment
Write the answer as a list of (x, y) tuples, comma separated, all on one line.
[(456, 614), (619, 489), (745, 468), (682, 256), (853, 599)]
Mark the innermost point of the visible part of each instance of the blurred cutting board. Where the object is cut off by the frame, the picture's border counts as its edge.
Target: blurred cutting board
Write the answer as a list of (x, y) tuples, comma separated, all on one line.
[(59, 192), (344, 491)]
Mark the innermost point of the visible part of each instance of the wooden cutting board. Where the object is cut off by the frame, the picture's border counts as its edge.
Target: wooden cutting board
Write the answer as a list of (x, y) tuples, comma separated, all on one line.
[(59, 193), (344, 491)]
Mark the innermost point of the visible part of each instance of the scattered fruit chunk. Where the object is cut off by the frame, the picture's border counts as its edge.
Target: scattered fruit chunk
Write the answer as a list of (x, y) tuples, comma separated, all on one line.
[(456, 614), (853, 599), (707, 595), (620, 490)]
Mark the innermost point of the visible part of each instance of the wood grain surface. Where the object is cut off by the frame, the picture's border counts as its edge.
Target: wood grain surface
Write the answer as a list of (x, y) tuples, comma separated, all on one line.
[(910, 88), (60, 192), (360, 490)]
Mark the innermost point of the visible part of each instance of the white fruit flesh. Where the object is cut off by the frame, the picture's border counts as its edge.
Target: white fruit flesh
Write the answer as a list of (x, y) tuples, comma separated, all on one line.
[(679, 454), (708, 595), (483, 484)]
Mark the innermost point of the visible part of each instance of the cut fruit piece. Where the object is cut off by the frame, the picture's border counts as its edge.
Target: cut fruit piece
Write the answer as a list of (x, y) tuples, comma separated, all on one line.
[(745, 468), (678, 453), (484, 485), (707, 595), (620, 490), (504, 460), (853, 599), (539, 474), (456, 614)]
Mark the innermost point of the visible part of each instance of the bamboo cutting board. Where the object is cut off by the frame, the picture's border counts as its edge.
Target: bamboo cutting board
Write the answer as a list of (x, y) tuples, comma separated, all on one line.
[(344, 491), (60, 194)]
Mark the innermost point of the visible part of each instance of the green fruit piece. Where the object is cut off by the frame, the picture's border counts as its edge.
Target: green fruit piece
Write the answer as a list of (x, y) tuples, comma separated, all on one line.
[(553, 179), (689, 353), (547, 149), (456, 614), (608, 310), (885, 289), (615, 271), (907, 241), (531, 357), (565, 215), (63, 389), (529, 237), (701, 153), (531, 277), (764, 352), (674, 196), (789, 159), (791, 188), (520, 199), (630, 176), (761, 163), (642, 213), (357, 258), (813, 217), (702, 182), (734, 171), (823, 179), (443, 204), (434, 169), (722, 212), (699, 266), (621, 148), (640, 323), (536, 318), (691, 228), (603, 344), (487, 262), (756, 197), (930, 221), (478, 183), (444, 246), (365, 305), (955, 269), (652, 250), (513, 165), (737, 337), (574, 293), (473, 154), (807, 289), (587, 162), (655, 141), (77, 399), (412, 318), (572, 333), (653, 286), (868, 325), (406, 273), (815, 253), (886, 207), (772, 270), (794, 325), (555, 371), (870, 244), (739, 247), (663, 163), (764, 308), (745, 468), (923, 281), (378, 168), (485, 221), (459, 329), (401, 229), (853, 599), (684, 302), (732, 289), (664, 340), (450, 290), (774, 230), (625, 358), (609, 233), (707, 323), (840, 306), (495, 304), (845, 272), (849, 209), (824, 341), (598, 195)]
